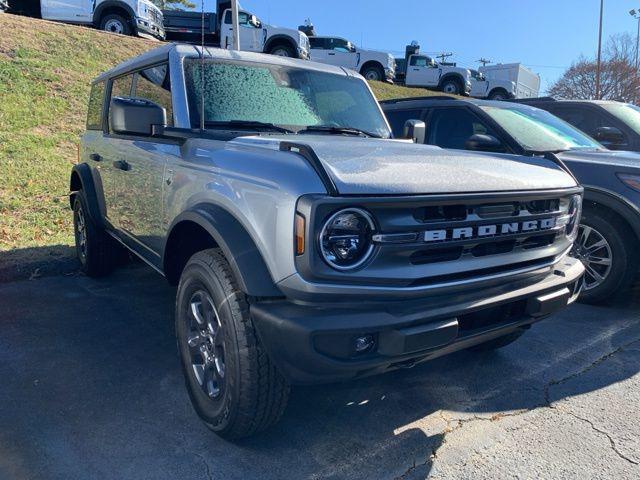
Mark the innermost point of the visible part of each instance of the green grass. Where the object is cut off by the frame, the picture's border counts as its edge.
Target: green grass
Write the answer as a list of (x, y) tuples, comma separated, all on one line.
[(45, 72)]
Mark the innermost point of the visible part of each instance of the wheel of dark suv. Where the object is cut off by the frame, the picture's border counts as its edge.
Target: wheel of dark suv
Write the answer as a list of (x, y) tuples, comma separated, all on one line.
[(451, 86), (233, 385), (373, 72), (283, 51), (499, 342), (115, 23), (605, 245), (96, 250)]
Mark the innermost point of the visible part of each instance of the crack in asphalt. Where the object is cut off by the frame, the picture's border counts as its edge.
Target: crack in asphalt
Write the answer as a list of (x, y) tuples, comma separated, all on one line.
[(547, 403), (203, 459)]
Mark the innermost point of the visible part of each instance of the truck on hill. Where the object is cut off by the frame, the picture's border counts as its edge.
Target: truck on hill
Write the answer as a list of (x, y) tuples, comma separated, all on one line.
[(505, 81), (255, 36)]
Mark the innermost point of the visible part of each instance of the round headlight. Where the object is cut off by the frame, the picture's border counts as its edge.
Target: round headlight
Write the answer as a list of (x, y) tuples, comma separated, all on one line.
[(345, 238)]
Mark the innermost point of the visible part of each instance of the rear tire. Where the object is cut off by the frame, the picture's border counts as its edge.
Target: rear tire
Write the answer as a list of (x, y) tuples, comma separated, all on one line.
[(115, 23), (605, 279), (233, 385), (498, 94), (282, 51), (97, 252), (373, 73)]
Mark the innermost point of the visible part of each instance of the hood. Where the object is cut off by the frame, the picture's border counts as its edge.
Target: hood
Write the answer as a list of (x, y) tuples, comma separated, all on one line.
[(366, 166), (603, 157)]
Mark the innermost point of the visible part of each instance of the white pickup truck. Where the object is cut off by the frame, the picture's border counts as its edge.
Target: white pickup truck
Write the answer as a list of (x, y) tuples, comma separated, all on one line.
[(372, 64), (423, 71), (127, 17), (505, 81)]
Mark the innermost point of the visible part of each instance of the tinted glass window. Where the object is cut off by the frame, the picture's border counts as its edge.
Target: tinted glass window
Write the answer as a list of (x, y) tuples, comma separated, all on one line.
[(419, 61), (538, 130), (121, 87), (153, 84), (451, 128), (585, 119), (317, 43), (289, 97), (397, 119), (96, 103)]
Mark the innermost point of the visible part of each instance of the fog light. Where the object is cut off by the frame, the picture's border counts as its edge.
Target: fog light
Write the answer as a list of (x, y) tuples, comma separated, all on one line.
[(363, 344)]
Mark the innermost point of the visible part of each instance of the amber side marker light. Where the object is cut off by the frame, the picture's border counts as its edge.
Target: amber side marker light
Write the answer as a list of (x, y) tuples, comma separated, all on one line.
[(299, 233)]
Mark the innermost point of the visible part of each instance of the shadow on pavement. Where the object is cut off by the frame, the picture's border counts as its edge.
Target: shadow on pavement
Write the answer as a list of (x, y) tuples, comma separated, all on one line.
[(91, 388)]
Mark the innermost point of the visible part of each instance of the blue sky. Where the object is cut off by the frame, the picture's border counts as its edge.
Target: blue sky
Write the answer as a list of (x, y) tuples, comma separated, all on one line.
[(545, 35)]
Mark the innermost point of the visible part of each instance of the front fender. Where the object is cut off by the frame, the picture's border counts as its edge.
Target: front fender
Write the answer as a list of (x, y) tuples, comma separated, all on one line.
[(617, 203), (237, 246)]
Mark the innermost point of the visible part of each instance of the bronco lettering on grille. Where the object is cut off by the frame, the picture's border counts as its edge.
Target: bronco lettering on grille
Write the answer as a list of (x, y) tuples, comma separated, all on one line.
[(464, 233)]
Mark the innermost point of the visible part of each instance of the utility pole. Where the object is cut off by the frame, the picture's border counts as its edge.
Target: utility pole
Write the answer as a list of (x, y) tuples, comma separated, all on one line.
[(636, 14), (443, 56), (599, 52), (236, 26), (484, 61)]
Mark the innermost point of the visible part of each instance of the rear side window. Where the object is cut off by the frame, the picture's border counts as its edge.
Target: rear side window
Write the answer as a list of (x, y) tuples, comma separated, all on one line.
[(397, 119), (153, 84), (96, 104)]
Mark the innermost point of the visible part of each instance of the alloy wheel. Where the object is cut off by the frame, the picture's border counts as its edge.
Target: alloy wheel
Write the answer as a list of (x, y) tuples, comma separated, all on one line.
[(205, 339), (595, 253)]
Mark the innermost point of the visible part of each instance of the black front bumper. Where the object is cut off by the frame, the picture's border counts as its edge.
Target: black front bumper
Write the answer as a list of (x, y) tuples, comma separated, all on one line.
[(315, 344)]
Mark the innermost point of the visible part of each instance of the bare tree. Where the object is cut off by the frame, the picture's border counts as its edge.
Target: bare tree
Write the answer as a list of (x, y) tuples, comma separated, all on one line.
[(619, 79), (174, 4)]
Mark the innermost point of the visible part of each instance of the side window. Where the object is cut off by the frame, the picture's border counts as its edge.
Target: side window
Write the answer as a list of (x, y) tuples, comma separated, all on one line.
[(243, 19), (581, 118), (96, 104), (153, 84), (317, 43), (339, 45), (451, 128), (227, 17), (121, 87), (418, 61), (397, 119)]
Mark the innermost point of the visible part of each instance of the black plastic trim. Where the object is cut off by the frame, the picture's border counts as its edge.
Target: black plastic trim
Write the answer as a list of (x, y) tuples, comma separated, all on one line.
[(310, 156)]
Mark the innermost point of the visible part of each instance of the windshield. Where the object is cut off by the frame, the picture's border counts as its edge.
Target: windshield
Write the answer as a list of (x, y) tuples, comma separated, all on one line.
[(629, 114), (538, 130), (293, 98)]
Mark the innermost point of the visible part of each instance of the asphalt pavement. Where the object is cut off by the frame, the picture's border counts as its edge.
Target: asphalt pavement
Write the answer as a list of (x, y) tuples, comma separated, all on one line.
[(90, 387)]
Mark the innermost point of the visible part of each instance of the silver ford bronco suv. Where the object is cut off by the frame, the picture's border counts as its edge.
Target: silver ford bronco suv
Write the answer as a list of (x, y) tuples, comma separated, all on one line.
[(306, 244)]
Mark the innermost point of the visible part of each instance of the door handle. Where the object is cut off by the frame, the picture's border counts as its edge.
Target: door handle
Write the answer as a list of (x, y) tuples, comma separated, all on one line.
[(122, 165), (95, 157), (331, 53)]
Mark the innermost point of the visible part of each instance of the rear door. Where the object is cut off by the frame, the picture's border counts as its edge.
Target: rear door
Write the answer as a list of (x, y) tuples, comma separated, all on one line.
[(319, 49), (80, 11)]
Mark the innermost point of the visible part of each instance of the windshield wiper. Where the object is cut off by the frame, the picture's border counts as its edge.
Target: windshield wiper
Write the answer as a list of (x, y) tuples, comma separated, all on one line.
[(338, 130), (248, 124)]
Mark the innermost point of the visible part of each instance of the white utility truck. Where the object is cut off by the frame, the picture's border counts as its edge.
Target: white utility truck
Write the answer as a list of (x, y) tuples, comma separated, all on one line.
[(255, 36), (127, 17), (417, 70), (491, 88), (372, 64), (514, 79)]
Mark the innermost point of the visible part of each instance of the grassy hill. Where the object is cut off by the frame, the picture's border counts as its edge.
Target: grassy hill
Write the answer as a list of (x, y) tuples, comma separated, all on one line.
[(45, 71)]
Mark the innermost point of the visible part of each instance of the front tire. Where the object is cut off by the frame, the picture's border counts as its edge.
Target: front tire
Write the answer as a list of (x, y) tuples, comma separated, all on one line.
[(605, 245), (233, 385), (452, 87), (115, 23), (96, 250), (282, 51), (373, 73)]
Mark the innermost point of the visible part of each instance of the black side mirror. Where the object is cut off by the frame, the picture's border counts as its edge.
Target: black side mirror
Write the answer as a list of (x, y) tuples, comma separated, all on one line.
[(609, 136), (415, 129), (485, 143), (135, 116)]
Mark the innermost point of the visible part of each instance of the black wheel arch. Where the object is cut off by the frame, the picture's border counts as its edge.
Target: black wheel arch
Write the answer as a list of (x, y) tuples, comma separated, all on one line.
[(225, 232), (112, 6), (371, 63), (452, 76), (501, 90), (595, 197), (281, 39), (82, 179)]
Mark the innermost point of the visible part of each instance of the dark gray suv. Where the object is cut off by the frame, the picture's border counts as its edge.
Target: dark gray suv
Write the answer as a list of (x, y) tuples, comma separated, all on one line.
[(610, 227)]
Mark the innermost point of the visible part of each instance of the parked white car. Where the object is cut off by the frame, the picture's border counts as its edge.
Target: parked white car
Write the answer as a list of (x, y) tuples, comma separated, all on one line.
[(127, 17), (372, 64), (526, 83), (424, 71)]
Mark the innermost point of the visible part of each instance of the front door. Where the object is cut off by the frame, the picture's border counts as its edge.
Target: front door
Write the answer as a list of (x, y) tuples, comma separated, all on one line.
[(251, 36), (340, 53), (421, 72)]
